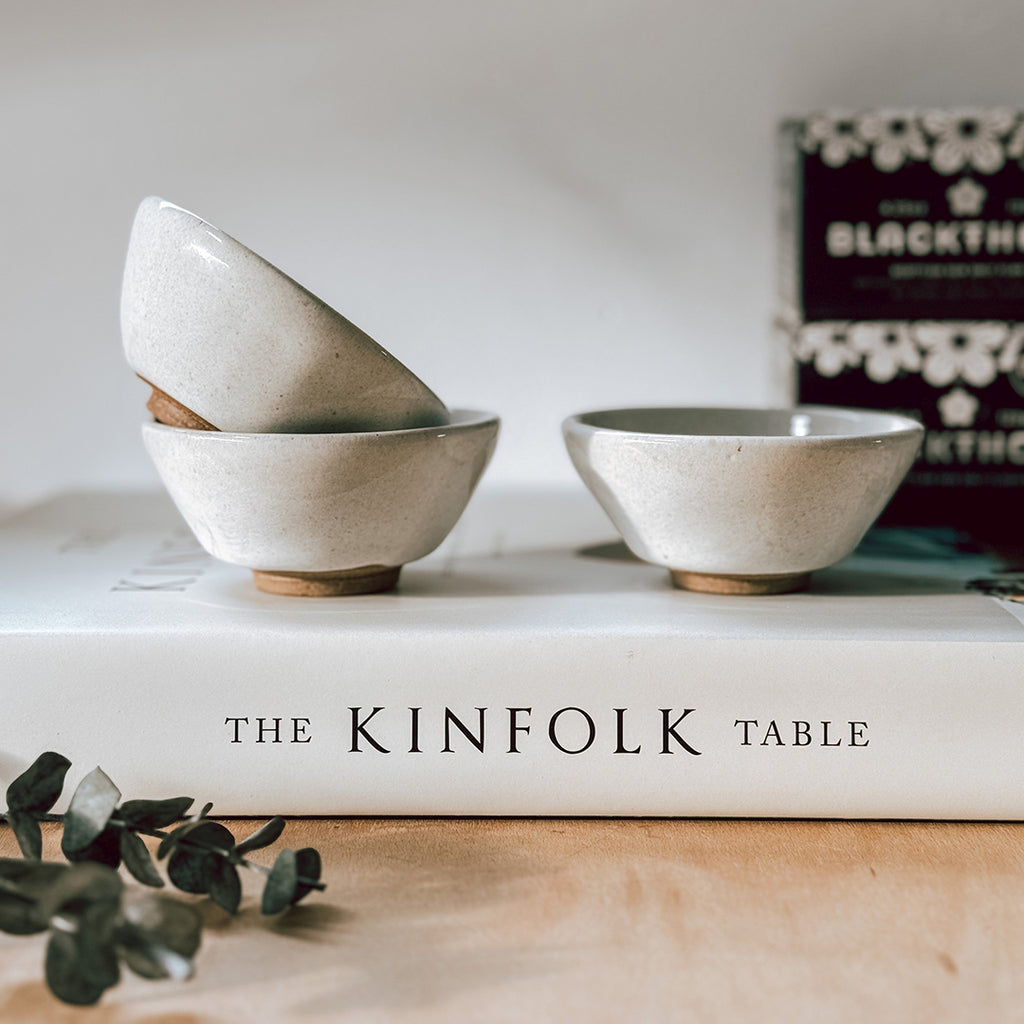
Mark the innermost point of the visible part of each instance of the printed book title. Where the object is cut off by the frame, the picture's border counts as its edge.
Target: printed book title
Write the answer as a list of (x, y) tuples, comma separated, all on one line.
[(512, 730)]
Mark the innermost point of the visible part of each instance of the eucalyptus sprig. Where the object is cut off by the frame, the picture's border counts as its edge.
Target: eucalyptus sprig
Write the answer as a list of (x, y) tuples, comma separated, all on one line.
[(94, 921)]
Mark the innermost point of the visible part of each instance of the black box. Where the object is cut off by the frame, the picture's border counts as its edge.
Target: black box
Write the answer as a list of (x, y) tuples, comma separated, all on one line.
[(903, 289)]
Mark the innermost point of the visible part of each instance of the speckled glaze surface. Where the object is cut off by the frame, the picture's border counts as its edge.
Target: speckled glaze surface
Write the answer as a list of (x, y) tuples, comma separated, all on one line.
[(742, 492), (323, 502), (246, 348)]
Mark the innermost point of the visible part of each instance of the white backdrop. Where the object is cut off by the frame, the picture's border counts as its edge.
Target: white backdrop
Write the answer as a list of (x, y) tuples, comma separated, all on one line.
[(540, 206)]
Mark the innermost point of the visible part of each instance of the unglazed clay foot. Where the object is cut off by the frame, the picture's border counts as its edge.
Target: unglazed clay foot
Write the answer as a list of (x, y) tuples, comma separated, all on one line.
[(372, 579)]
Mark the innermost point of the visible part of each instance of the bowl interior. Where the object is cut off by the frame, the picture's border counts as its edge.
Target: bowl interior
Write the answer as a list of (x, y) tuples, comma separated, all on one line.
[(805, 421)]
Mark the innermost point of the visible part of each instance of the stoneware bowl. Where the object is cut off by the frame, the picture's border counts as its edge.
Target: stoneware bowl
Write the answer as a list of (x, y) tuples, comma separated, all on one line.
[(745, 501), (323, 514), (229, 342)]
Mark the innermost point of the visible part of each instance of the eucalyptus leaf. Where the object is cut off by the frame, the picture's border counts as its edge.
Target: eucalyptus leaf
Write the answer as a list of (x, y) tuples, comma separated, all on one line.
[(150, 960), (210, 835), (94, 923), (81, 961), (282, 883), (67, 976), (138, 861), (30, 877), (165, 921), (104, 849), (192, 870), (28, 833), (150, 815), (198, 832), (19, 915), (39, 786), (307, 860), (158, 936), (226, 886), (90, 809), (263, 836), (80, 885), (170, 841)]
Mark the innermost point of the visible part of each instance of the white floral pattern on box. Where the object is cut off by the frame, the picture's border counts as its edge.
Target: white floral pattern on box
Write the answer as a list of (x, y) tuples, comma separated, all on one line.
[(947, 354), (894, 137), (966, 198), (958, 408), (826, 344), (944, 352), (835, 137), (960, 351), (968, 138), (952, 141), (886, 348)]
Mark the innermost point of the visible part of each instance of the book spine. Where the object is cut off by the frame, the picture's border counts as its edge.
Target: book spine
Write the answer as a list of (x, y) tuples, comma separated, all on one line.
[(492, 725)]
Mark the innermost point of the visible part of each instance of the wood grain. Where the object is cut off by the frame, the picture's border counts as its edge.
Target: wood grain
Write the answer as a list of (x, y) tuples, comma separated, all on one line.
[(602, 920)]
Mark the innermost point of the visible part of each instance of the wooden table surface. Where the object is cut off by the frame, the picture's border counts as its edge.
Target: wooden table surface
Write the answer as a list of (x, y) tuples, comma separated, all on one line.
[(600, 920)]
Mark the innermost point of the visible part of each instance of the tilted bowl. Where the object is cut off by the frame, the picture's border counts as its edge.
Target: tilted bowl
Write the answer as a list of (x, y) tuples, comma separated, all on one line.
[(323, 514), (228, 341), (742, 500)]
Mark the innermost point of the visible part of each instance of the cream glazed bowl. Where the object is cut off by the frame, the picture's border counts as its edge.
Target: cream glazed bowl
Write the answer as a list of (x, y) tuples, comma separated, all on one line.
[(742, 501), (323, 514), (227, 341)]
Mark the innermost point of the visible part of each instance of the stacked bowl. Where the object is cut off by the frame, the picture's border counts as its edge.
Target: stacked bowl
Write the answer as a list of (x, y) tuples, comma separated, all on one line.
[(291, 442)]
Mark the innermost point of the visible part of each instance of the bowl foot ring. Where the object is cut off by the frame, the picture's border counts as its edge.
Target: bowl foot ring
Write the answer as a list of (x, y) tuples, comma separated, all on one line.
[(718, 583), (371, 579), (172, 413)]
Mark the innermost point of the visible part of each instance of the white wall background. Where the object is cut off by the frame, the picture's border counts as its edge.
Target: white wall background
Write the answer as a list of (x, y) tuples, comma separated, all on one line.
[(540, 206)]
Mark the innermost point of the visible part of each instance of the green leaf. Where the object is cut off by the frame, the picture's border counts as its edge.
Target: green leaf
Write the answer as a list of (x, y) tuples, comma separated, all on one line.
[(150, 815), (19, 915), (28, 833), (282, 882), (192, 870), (29, 877), (307, 860), (226, 886), (68, 976), (90, 809), (159, 936), (207, 834), (197, 832), (262, 837), (82, 906), (294, 875), (170, 841), (198, 849), (80, 885), (81, 960), (104, 849), (138, 861), (39, 786), (22, 884)]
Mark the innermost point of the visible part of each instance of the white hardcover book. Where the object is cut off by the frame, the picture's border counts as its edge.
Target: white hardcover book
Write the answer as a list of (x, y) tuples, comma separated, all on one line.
[(528, 667)]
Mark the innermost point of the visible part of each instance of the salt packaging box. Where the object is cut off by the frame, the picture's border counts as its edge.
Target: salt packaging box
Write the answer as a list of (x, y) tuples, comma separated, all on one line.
[(903, 289)]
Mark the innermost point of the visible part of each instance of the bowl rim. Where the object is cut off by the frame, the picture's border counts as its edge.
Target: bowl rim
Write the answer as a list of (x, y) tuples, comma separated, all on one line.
[(196, 220), (461, 420), (902, 426)]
